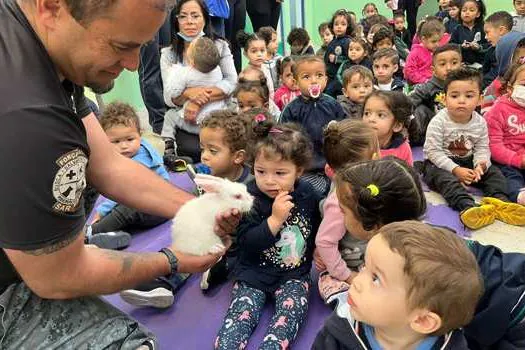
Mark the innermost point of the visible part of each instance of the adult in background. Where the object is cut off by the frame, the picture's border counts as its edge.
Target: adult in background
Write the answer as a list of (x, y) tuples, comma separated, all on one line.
[(150, 80), (410, 7), (53, 143), (264, 13), (235, 23), (181, 135)]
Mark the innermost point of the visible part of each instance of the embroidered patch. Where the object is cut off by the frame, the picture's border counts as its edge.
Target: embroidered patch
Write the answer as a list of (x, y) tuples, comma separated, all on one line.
[(70, 181)]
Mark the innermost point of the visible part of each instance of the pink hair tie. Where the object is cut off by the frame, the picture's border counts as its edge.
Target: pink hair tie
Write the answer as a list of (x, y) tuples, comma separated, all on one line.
[(259, 118), (276, 131)]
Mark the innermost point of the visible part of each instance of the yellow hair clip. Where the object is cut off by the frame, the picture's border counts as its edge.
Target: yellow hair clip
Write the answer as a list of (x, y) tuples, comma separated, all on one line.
[(374, 190)]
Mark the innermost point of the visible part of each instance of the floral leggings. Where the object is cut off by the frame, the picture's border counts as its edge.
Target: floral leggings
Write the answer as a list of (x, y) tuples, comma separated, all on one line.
[(291, 307)]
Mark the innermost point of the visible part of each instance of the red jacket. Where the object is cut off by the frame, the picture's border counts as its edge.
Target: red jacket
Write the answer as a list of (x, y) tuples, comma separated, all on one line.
[(506, 124)]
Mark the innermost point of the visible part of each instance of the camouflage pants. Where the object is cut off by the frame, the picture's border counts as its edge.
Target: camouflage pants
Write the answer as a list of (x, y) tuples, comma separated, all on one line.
[(30, 322)]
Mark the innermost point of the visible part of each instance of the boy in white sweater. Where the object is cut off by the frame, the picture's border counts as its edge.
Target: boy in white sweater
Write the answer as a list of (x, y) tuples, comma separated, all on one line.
[(457, 155)]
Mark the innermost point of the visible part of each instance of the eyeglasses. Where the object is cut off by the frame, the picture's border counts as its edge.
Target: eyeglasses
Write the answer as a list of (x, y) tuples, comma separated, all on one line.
[(186, 18)]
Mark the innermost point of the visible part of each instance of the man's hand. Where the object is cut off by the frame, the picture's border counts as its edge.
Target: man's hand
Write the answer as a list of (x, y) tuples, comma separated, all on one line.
[(191, 110), (226, 223), (464, 175)]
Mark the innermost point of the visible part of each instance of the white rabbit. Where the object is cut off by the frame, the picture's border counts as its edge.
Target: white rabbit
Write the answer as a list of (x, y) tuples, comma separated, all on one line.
[(193, 225)]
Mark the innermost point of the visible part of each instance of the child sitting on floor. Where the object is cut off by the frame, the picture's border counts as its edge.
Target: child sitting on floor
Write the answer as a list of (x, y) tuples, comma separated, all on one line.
[(272, 56), (385, 66), (457, 155), (418, 286), (275, 240), (122, 126), (418, 67), (299, 41), (496, 26), (452, 21), (401, 31), (358, 54), (357, 86), (252, 92), (313, 110), (470, 34), (502, 303), (224, 139), (339, 249), (506, 125), (388, 113), (429, 98), (288, 90), (326, 36), (343, 29)]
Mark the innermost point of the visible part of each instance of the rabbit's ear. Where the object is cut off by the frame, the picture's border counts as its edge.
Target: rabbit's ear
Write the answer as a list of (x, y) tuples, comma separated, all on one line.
[(208, 183)]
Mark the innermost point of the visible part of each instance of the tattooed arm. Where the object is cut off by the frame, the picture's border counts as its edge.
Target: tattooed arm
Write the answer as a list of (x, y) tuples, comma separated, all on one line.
[(71, 269)]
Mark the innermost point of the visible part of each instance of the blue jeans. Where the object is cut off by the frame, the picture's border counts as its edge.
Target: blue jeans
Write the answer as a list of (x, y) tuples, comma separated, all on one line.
[(150, 80), (515, 180)]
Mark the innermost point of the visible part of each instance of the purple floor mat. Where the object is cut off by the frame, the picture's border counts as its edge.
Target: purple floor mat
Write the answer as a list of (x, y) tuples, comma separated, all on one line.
[(194, 319)]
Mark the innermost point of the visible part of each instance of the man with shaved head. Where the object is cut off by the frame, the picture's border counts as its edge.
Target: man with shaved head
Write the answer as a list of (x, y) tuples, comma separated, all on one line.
[(51, 145)]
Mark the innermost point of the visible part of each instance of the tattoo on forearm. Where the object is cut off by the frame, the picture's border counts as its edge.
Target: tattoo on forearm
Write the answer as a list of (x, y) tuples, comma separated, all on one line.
[(127, 259), (52, 248)]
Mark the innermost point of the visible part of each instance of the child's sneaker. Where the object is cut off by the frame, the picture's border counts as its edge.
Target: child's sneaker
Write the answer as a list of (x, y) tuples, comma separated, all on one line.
[(329, 286), (478, 217), (108, 240), (216, 275), (508, 212), (155, 294)]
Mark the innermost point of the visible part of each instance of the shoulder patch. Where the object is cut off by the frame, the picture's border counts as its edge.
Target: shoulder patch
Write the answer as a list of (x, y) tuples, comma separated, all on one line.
[(70, 181)]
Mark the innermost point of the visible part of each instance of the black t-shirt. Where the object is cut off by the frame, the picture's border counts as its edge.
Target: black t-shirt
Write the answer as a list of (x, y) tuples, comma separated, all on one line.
[(43, 145)]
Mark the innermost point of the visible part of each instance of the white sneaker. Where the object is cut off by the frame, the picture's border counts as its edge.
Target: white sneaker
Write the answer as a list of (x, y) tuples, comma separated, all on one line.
[(160, 298)]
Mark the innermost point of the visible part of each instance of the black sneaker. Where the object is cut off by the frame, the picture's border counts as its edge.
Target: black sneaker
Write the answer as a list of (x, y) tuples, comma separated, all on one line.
[(110, 240), (156, 294), (175, 163), (215, 276)]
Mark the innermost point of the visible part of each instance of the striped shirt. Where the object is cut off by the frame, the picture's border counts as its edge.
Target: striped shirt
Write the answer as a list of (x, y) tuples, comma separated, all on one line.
[(447, 140)]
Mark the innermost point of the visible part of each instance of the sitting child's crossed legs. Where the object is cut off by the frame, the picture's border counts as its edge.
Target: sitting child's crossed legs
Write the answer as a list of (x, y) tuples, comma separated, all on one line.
[(291, 306)]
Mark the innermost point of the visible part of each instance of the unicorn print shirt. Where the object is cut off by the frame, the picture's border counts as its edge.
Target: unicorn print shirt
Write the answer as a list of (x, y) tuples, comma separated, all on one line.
[(266, 261)]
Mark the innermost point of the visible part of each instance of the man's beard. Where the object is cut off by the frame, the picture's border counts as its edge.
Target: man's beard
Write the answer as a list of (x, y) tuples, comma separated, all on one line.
[(100, 89)]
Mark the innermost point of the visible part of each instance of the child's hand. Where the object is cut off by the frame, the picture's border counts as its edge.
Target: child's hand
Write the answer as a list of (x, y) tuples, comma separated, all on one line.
[(351, 277), (282, 205), (464, 175), (475, 46), (479, 170), (465, 44), (96, 218), (331, 58), (319, 264), (190, 112)]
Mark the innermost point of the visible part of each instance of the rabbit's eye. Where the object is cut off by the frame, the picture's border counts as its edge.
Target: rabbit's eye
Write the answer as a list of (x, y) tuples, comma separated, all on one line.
[(237, 196)]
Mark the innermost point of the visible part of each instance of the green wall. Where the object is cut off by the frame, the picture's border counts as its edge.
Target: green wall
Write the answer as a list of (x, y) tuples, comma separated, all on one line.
[(316, 11)]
